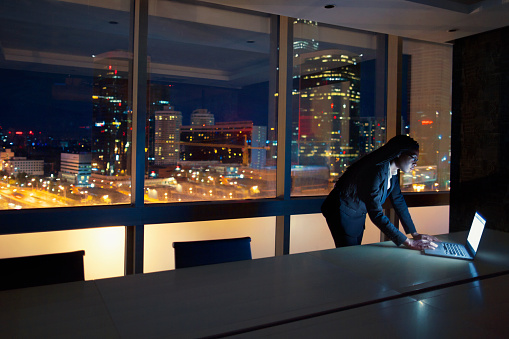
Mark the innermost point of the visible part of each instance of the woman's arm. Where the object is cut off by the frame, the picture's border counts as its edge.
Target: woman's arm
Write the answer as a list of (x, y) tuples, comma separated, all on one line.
[(400, 206), (374, 182), (419, 241)]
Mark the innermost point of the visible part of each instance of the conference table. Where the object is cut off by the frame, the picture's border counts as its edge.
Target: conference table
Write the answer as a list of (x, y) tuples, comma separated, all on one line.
[(371, 290)]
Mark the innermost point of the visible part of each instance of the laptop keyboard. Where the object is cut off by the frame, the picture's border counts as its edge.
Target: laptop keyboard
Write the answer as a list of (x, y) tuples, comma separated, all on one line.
[(454, 249)]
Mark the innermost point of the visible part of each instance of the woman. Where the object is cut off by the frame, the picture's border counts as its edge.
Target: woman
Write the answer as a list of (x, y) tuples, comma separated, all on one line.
[(363, 189)]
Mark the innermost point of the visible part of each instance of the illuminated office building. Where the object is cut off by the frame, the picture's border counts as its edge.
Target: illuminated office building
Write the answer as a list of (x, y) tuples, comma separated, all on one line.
[(17, 165), (259, 144), (371, 133), (76, 168), (224, 142), (305, 36), (111, 129), (167, 125), (112, 115), (159, 98), (326, 124)]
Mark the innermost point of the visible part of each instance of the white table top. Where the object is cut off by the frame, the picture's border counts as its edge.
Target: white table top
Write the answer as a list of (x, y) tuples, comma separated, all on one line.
[(473, 310), (55, 311), (244, 296), (215, 299), (408, 271)]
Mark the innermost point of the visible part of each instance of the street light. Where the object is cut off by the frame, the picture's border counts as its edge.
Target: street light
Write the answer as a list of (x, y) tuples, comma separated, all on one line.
[(65, 193)]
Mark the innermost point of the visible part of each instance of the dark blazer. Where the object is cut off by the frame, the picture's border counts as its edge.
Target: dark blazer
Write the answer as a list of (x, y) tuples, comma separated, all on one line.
[(371, 194)]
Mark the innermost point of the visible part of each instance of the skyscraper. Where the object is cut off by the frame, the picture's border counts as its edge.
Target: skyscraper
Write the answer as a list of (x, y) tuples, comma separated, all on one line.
[(326, 109), (259, 144), (112, 115), (167, 125), (159, 98), (111, 129)]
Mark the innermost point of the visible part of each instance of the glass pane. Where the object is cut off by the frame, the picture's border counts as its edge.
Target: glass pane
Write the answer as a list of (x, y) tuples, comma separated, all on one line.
[(338, 103), (309, 232), (426, 113), (64, 102), (104, 248), (430, 219), (209, 116), (159, 254)]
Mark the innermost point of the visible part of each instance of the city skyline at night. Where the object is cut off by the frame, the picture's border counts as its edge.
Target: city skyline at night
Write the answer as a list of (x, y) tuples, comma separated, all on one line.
[(78, 101)]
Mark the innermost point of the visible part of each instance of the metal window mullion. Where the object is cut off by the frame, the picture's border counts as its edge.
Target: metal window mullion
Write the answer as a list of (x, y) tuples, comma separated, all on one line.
[(284, 123), (394, 85), (139, 98), (394, 97), (135, 233)]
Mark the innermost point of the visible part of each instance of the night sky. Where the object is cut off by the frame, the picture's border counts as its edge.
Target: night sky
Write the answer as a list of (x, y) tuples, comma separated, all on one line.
[(33, 101), (61, 105)]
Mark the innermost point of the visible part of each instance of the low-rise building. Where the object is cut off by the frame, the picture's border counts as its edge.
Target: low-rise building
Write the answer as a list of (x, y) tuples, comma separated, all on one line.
[(76, 168), (16, 165)]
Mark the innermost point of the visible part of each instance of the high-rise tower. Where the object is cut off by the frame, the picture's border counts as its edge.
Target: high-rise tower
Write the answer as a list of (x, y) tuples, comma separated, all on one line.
[(326, 109), (167, 125), (111, 129)]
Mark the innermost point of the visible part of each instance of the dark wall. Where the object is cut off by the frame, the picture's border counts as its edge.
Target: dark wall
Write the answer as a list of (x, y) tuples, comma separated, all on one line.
[(480, 130)]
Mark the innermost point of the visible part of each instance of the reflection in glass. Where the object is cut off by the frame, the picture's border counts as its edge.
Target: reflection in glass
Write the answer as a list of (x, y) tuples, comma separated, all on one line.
[(104, 248), (426, 113), (65, 127), (159, 254), (335, 119), (211, 124)]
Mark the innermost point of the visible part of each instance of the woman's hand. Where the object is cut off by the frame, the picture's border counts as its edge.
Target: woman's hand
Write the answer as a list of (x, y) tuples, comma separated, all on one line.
[(420, 244), (426, 237)]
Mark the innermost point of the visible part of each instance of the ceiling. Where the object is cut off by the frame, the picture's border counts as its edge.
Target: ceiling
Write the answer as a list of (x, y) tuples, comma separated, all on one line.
[(429, 20), (201, 42)]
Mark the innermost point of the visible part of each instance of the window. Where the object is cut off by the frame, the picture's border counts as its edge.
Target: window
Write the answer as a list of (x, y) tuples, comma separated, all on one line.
[(208, 114), (104, 248), (159, 255), (338, 83), (65, 105), (426, 113), (67, 117)]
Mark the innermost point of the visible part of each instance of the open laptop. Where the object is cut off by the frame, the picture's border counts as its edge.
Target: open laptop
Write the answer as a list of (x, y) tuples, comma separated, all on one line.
[(468, 251)]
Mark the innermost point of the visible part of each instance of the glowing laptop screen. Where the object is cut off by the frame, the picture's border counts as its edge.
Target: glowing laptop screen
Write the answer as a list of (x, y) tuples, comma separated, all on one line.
[(474, 236)]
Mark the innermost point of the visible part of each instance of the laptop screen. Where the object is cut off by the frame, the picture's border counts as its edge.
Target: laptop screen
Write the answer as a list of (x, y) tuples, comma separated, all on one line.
[(474, 236)]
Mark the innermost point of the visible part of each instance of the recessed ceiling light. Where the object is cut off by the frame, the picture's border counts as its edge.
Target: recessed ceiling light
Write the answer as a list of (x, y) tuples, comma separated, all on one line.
[(329, 6)]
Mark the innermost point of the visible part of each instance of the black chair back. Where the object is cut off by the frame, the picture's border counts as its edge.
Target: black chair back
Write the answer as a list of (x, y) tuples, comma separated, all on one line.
[(207, 252), (41, 270)]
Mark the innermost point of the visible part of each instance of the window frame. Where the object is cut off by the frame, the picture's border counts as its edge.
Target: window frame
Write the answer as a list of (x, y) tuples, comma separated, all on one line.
[(138, 214)]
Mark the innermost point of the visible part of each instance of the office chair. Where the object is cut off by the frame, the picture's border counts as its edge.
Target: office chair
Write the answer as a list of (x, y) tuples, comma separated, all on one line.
[(41, 270), (207, 252)]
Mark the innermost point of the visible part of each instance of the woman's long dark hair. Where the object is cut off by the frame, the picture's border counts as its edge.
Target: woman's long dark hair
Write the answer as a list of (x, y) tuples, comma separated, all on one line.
[(347, 183)]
